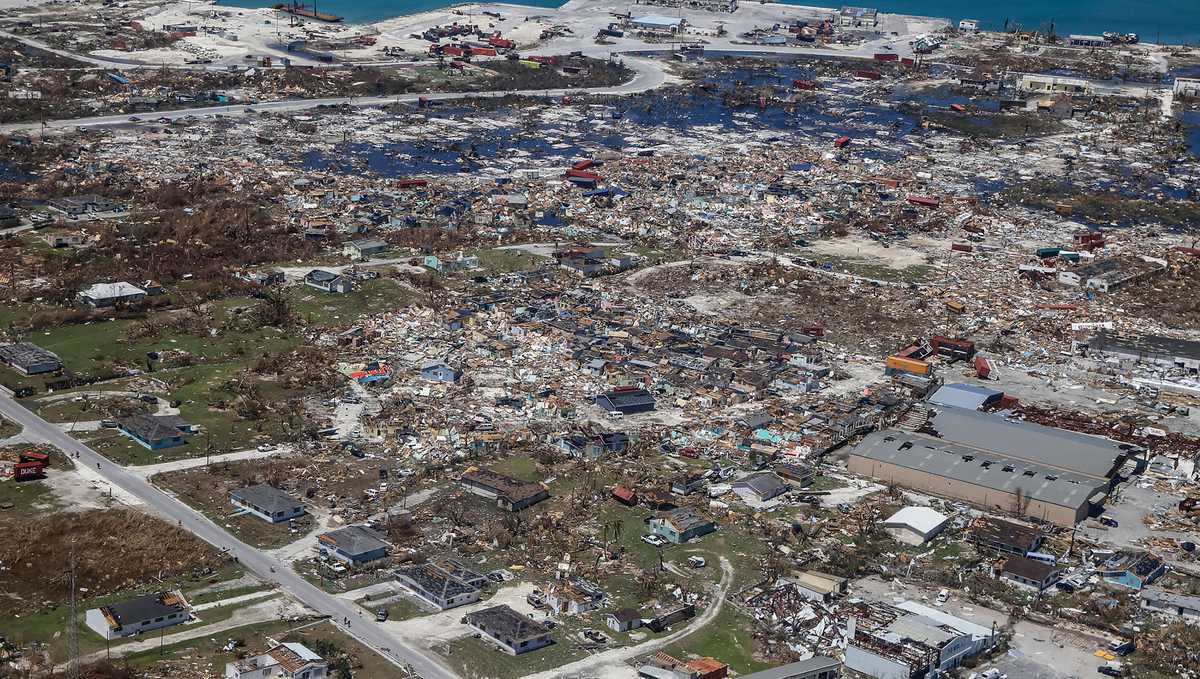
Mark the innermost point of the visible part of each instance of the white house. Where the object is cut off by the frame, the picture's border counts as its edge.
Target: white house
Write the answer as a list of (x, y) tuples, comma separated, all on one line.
[(142, 614), (915, 525), (111, 294), (1161, 601), (969, 25), (286, 661)]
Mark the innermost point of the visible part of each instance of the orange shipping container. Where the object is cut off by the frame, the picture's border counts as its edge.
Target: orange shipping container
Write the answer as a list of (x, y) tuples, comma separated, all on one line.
[(909, 365)]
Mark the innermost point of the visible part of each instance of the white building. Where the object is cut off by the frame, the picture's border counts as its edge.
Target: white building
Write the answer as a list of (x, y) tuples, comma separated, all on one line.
[(1187, 87), (110, 294), (286, 661), (1053, 84), (1155, 600), (969, 25), (915, 525), (135, 616)]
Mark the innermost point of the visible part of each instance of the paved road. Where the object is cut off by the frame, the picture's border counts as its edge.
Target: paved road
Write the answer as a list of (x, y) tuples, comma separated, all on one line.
[(647, 76), (158, 502)]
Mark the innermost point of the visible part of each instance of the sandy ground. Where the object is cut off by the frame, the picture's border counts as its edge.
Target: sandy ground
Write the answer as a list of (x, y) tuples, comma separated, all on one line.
[(429, 630), (869, 251)]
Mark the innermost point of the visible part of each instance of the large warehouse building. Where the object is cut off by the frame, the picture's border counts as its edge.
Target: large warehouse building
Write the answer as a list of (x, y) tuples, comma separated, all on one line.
[(990, 461)]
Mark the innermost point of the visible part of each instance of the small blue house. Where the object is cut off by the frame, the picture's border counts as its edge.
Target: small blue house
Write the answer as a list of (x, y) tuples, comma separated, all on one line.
[(681, 525), (439, 371), (155, 433)]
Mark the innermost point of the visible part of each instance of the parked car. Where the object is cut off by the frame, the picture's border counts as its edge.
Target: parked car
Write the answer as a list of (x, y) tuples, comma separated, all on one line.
[(655, 540), (266, 447), (381, 615), (697, 561)]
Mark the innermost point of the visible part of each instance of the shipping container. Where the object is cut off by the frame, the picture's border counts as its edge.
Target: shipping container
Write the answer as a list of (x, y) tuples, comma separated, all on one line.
[(951, 347), (954, 306), (926, 201), (958, 107), (411, 183), (961, 247), (583, 164), (460, 65), (895, 364), (612, 33), (582, 174), (529, 63), (483, 51), (868, 75), (34, 456), (983, 367), (887, 56), (841, 142), (804, 84), (1046, 253), (907, 61), (25, 471), (583, 182)]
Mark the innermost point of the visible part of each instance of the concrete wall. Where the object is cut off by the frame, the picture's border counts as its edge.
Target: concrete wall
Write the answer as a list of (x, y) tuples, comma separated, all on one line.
[(916, 479)]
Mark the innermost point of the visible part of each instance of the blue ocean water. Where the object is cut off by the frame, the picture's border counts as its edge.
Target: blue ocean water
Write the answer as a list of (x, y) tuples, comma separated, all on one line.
[(1171, 21)]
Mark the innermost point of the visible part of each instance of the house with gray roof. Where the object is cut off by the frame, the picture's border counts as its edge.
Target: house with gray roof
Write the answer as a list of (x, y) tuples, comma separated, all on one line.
[(267, 503), (512, 631), (354, 545), (760, 487), (1170, 604), (137, 615), (29, 359)]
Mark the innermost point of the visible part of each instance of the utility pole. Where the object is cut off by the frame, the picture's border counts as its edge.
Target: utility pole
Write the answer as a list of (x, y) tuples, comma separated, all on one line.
[(73, 628)]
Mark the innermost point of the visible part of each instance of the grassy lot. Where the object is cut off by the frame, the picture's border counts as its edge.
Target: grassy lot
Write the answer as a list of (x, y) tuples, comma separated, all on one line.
[(401, 609), (825, 483), (728, 638), (507, 261), (918, 273), (517, 466), (9, 428), (91, 407), (370, 297), (24, 496), (222, 594)]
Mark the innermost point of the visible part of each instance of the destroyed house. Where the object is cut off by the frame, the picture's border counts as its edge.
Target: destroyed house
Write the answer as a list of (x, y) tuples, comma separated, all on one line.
[(1165, 352), (286, 661), (509, 493), (353, 545), (626, 400), (593, 445), (155, 431), (681, 525), (574, 598), (816, 667), (267, 503), (513, 632), (29, 359), (686, 484), (141, 614), (1109, 275), (1005, 537), (1154, 600), (887, 657), (910, 639), (672, 616), (435, 585), (460, 570), (9, 216), (1131, 569)]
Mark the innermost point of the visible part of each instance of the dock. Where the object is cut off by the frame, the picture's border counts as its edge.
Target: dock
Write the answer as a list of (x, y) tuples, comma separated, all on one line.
[(308, 13)]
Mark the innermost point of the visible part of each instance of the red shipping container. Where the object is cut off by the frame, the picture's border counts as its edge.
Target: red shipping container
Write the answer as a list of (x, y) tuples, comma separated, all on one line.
[(804, 84), (24, 471), (886, 56), (841, 142), (583, 164)]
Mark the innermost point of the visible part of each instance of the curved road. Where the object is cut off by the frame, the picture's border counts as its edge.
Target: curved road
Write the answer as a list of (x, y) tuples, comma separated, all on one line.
[(361, 627)]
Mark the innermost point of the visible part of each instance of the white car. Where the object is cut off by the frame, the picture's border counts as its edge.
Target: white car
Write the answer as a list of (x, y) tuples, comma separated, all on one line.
[(655, 540), (266, 447)]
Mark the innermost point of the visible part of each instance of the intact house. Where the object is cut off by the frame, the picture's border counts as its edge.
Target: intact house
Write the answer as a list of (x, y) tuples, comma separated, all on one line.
[(512, 631), (328, 281), (156, 432), (364, 248), (459, 263), (111, 294), (439, 371), (858, 17), (623, 620), (681, 525), (1030, 573), (508, 493), (29, 359), (626, 400), (1005, 537), (142, 614), (267, 503), (354, 545), (437, 586), (286, 661), (915, 525), (575, 597), (760, 487), (1170, 604), (1052, 84)]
